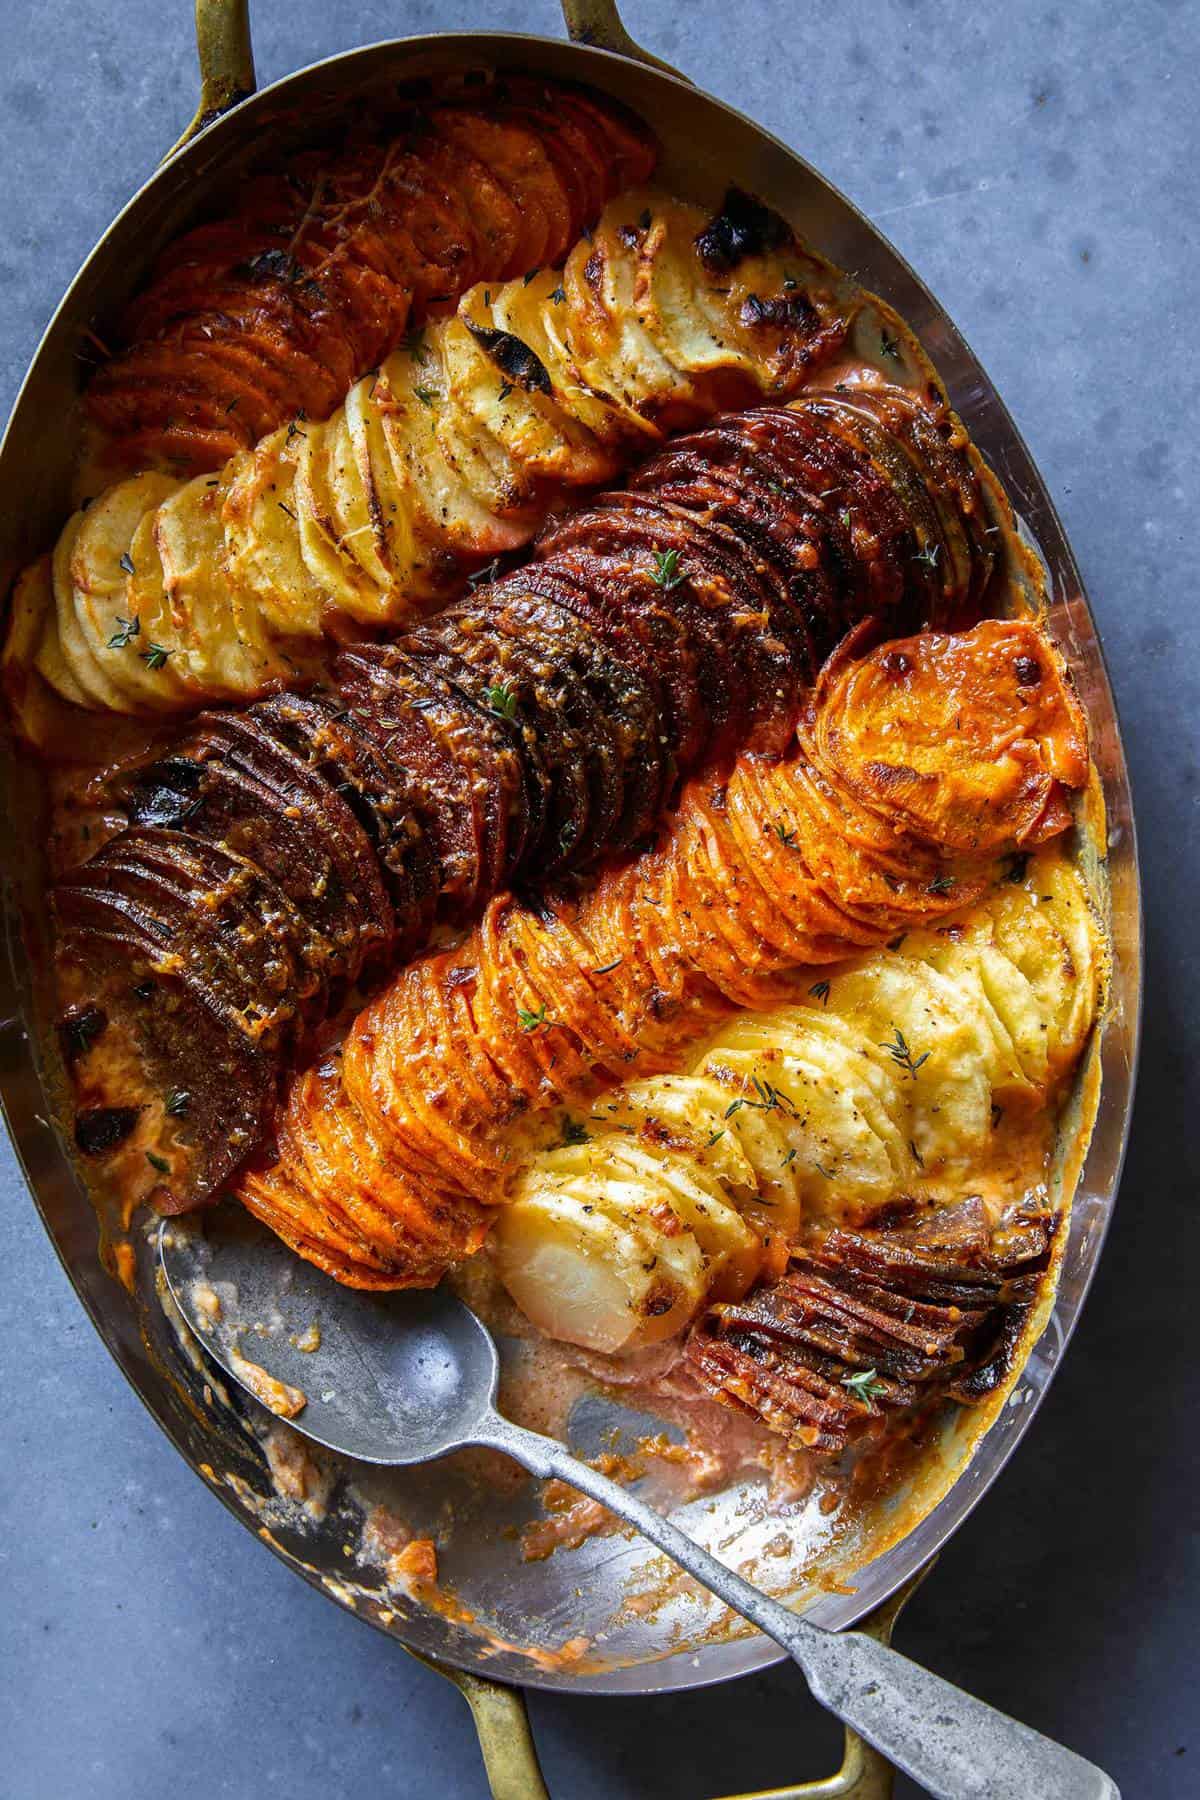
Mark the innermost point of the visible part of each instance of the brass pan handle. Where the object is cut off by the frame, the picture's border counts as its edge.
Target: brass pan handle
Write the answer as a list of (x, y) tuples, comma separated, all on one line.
[(227, 56), (599, 23), (514, 1773), (226, 62)]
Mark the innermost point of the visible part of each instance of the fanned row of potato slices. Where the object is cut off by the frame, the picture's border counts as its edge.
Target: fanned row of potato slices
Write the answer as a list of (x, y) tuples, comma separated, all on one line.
[(277, 856), (163, 595), (915, 1069), (390, 1155), (314, 274)]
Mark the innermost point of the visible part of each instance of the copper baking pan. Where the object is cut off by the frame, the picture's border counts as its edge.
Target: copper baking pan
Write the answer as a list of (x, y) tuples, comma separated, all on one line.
[(706, 146)]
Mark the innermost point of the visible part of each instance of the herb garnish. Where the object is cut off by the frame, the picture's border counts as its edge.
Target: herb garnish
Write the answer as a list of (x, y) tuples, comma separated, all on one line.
[(902, 1056), (531, 1021), (822, 1170), (488, 573), (769, 1100), (820, 991), (284, 507), (531, 276), (558, 296), (158, 1162), (177, 1102), (155, 657), (864, 1384), (127, 630), (916, 1155), (786, 837), (941, 884), (713, 1137), (667, 573), (609, 967), (126, 563), (888, 344), (293, 429), (506, 388), (788, 1159), (502, 699), (573, 1133), (423, 395), (928, 557)]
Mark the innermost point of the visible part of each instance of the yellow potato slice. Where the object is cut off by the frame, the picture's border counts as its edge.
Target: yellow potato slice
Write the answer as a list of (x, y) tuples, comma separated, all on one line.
[(329, 560), (809, 1112), (616, 353), (262, 536), (942, 1058), (223, 642), (1045, 928), (533, 312), (352, 492), (101, 573)]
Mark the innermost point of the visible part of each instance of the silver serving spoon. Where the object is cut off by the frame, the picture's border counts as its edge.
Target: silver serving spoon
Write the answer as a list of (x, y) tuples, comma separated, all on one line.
[(404, 1378)]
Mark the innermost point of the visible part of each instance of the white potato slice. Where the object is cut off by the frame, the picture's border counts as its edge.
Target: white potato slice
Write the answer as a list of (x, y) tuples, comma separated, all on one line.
[(731, 1249), (690, 1109), (585, 1260)]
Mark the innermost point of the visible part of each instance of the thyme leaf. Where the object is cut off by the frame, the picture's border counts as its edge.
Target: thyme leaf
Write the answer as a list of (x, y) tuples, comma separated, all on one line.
[(902, 1056), (865, 1385), (667, 572), (531, 1021), (502, 699), (127, 630)]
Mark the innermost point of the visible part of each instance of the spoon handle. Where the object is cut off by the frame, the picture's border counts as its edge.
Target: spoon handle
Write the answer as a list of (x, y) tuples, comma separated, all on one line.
[(954, 1745)]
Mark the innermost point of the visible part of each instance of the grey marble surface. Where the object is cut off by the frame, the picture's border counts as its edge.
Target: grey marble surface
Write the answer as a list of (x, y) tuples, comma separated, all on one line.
[(1039, 166)]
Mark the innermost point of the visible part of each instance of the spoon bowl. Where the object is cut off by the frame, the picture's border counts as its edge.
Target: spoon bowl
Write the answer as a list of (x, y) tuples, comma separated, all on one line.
[(394, 1378)]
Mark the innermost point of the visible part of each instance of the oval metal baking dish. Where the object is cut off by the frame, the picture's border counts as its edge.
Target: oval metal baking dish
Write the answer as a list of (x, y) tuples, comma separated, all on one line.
[(706, 147)]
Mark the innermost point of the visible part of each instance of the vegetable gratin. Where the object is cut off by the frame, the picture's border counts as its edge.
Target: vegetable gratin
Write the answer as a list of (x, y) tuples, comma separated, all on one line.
[(561, 783)]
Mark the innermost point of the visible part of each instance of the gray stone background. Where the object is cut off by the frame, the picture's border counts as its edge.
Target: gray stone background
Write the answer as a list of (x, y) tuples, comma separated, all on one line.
[(1039, 166)]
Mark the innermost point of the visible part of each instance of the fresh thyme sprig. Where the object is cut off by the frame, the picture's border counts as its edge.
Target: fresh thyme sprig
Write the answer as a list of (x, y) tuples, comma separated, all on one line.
[(502, 699), (865, 1385), (667, 572), (127, 630), (902, 1056), (531, 1021)]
